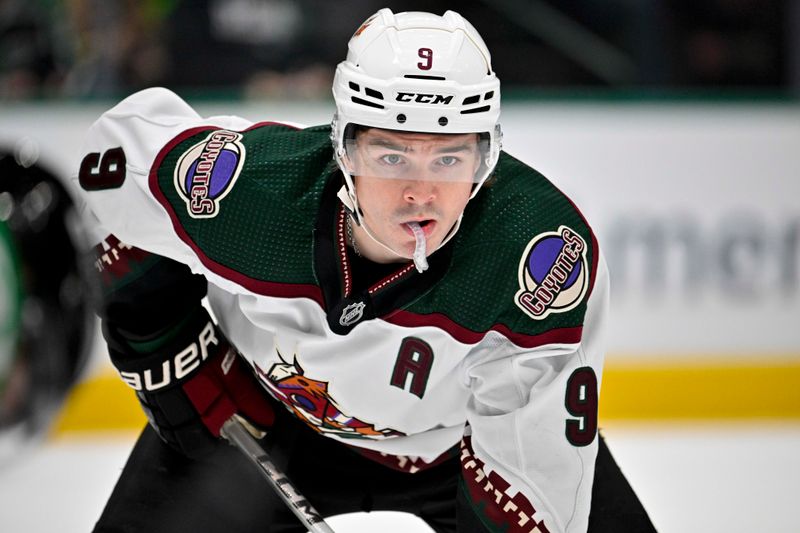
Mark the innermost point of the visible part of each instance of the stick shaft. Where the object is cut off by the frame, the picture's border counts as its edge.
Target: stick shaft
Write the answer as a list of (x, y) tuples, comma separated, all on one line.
[(237, 434)]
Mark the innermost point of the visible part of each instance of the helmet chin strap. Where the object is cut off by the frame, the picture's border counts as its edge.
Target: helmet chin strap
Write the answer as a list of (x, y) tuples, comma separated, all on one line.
[(352, 207), (419, 257)]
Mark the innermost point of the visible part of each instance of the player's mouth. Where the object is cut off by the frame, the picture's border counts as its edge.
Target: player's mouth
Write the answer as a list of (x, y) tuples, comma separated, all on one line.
[(428, 226)]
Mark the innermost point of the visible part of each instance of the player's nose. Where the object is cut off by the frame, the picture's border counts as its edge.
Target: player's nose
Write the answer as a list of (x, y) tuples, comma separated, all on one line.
[(420, 191)]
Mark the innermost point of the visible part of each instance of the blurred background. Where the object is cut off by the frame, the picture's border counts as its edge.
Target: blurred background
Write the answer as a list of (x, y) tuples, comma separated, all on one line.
[(283, 48), (674, 124)]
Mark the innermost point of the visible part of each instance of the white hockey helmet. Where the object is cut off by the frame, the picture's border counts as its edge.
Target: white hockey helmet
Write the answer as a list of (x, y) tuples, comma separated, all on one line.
[(416, 72)]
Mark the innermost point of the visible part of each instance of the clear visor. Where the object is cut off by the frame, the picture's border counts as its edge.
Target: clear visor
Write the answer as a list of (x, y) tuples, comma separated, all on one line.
[(417, 156)]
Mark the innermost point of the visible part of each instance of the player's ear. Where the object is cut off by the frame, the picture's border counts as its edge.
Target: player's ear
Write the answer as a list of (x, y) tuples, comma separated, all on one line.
[(479, 159), (348, 163)]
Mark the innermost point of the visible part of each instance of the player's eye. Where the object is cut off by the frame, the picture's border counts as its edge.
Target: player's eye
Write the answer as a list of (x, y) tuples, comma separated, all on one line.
[(448, 160), (391, 159)]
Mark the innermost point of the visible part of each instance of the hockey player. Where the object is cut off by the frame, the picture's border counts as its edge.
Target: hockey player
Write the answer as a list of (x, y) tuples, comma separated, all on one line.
[(414, 317), (46, 317)]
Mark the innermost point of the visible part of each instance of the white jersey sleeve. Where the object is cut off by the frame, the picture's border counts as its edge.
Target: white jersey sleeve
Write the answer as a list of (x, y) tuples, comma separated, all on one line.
[(533, 421), (118, 154)]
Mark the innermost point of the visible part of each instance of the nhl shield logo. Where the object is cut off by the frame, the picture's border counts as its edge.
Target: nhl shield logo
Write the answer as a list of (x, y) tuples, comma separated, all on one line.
[(352, 314), (553, 275), (207, 171)]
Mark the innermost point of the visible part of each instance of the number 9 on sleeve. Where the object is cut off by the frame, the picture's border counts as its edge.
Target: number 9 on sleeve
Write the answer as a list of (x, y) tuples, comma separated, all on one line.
[(581, 402), (107, 172)]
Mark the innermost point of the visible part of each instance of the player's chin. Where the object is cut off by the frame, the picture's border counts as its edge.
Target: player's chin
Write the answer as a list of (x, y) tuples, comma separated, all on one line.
[(406, 243), (431, 244), (406, 250), (404, 247)]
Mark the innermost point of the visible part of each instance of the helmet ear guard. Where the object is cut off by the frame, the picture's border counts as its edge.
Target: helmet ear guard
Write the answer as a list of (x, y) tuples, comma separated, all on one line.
[(347, 194)]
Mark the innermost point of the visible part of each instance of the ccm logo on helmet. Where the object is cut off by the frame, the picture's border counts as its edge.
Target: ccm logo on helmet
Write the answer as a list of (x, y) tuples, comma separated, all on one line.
[(178, 367), (424, 98)]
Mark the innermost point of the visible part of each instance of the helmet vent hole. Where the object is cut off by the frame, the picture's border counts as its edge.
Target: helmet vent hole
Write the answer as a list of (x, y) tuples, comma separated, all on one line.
[(424, 77), (488, 95), (471, 100), (443, 121), (373, 93), (361, 101), (482, 109), (354, 86), (401, 118)]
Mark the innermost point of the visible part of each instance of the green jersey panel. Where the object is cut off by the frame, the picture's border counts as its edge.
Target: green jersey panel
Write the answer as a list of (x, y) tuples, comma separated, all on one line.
[(247, 200), (522, 263), (512, 269)]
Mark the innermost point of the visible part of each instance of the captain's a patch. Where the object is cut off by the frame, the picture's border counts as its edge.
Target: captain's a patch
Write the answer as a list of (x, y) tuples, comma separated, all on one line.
[(207, 171), (553, 273)]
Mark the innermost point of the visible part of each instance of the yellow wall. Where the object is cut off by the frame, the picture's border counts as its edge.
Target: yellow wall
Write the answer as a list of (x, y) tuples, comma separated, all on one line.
[(658, 389)]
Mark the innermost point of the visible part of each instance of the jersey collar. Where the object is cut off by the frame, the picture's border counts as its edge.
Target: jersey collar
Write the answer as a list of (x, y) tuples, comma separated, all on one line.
[(346, 307)]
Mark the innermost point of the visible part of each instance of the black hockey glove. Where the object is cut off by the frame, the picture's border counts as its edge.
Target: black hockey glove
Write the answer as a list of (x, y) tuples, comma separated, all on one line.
[(189, 380)]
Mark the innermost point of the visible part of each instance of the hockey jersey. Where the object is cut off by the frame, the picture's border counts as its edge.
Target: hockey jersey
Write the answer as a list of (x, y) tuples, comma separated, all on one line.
[(497, 348)]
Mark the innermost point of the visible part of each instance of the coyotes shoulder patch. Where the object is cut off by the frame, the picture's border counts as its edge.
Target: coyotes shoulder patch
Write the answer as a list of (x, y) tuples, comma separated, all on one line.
[(553, 273), (207, 171)]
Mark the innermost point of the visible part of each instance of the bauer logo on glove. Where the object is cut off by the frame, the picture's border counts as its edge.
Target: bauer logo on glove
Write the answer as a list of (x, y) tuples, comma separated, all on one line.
[(179, 366)]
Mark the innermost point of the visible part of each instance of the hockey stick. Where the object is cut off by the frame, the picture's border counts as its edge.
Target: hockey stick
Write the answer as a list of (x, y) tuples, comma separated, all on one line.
[(235, 432)]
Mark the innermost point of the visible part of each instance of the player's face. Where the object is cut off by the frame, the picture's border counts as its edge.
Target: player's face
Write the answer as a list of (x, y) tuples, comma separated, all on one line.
[(413, 177)]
